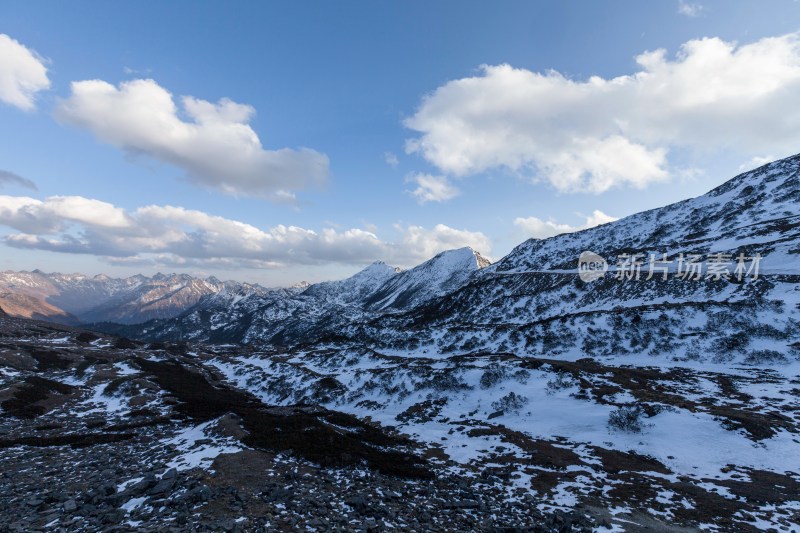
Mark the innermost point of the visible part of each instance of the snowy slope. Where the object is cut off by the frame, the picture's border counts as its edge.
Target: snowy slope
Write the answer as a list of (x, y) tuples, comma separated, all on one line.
[(355, 288), (445, 272), (533, 301)]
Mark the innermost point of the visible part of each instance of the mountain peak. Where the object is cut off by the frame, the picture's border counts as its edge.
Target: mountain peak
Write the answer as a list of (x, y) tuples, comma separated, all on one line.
[(436, 276), (458, 258), (377, 269), (481, 260)]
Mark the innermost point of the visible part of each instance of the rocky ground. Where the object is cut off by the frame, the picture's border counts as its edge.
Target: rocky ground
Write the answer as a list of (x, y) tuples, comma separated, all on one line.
[(105, 434), (100, 434)]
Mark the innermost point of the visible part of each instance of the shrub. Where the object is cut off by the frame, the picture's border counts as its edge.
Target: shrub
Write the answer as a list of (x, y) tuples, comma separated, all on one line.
[(510, 403), (492, 376), (626, 419), (760, 357), (730, 343), (522, 376), (123, 343), (560, 382), (86, 337)]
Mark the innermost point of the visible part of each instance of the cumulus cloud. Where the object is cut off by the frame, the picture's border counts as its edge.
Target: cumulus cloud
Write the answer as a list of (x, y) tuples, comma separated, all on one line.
[(9, 178), (22, 74), (419, 244), (176, 236), (57, 212), (216, 146), (542, 229), (432, 188), (592, 135)]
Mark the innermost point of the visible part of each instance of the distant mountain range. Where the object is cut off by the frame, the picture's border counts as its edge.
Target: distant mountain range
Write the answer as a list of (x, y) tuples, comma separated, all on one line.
[(75, 298), (289, 315)]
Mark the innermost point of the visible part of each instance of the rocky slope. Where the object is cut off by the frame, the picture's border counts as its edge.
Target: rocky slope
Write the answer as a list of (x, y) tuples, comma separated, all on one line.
[(104, 434), (23, 305)]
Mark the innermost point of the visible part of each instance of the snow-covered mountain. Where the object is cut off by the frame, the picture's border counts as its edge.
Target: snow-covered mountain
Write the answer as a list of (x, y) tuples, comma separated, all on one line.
[(533, 301), (75, 298), (355, 288), (447, 271), (320, 310)]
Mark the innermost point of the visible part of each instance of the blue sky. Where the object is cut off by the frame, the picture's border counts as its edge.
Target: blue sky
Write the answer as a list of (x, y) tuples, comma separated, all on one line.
[(377, 130)]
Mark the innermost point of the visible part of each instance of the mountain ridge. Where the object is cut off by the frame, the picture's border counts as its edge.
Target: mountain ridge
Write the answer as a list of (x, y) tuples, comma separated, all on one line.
[(525, 301), (77, 298)]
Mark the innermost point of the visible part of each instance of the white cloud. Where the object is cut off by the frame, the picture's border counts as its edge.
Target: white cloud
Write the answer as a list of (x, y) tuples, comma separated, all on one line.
[(175, 236), (689, 9), (419, 244), (88, 211), (7, 177), (216, 146), (432, 188), (542, 229), (592, 135), (57, 212), (755, 162), (137, 71), (22, 74), (391, 159)]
